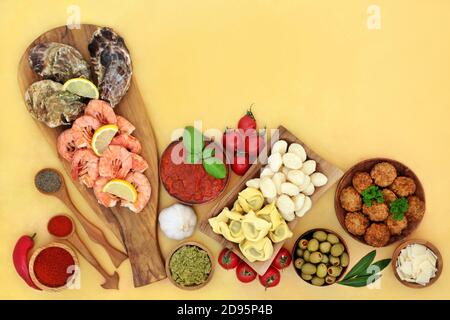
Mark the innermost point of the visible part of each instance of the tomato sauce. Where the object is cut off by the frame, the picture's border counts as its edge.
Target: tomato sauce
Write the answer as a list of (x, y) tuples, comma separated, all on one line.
[(187, 182)]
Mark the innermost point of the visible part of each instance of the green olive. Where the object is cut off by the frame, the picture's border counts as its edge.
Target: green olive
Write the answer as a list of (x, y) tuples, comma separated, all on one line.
[(306, 255), (322, 270), (344, 259), (298, 263), (325, 259), (330, 279), (332, 238), (334, 271), (299, 253), (309, 268), (334, 261), (317, 281), (306, 277), (337, 249), (303, 244), (313, 245), (315, 257), (325, 247), (320, 235)]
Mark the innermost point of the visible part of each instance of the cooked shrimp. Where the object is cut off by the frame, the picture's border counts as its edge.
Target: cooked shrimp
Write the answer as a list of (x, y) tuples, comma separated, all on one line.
[(85, 167), (130, 143), (66, 143), (115, 162), (102, 111), (104, 198), (87, 126), (124, 125), (143, 188), (138, 163)]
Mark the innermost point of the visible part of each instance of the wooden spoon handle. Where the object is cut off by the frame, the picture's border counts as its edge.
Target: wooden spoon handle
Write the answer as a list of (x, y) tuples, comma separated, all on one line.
[(97, 235)]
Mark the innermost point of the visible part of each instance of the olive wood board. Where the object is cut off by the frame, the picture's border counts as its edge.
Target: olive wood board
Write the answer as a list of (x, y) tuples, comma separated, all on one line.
[(332, 172), (137, 231)]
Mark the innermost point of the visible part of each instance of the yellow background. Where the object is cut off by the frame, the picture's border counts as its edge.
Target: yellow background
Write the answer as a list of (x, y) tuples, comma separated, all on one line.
[(349, 92)]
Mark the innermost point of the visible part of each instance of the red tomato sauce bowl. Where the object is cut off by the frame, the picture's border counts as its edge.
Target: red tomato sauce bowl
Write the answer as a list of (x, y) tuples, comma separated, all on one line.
[(188, 183)]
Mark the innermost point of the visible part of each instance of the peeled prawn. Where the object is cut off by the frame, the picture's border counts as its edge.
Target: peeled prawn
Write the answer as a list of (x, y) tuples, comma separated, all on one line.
[(143, 188), (124, 125), (102, 111), (85, 167), (138, 163), (130, 143), (104, 198), (66, 143), (86, 125), (115, 162)]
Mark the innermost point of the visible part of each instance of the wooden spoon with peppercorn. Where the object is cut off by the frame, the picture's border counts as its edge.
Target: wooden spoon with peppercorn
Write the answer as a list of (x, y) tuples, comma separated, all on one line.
[(63, 227)]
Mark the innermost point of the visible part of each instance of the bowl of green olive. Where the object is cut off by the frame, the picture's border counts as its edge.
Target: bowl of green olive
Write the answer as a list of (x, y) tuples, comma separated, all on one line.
[(320, 257)]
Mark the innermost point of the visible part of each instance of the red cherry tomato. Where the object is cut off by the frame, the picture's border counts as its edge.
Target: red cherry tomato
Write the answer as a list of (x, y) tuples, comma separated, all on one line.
[(282, 260), (271, 278), (248, 121), (228, 259), (240, 163), (233, 140), (254, 143), (245, 273)]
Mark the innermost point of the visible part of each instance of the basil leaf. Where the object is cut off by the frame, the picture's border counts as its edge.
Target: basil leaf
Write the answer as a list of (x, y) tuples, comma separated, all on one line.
[(215, 167), (362, 265), (209, 152), (193, 158), (376, 267), (193, 140), (359, 282)]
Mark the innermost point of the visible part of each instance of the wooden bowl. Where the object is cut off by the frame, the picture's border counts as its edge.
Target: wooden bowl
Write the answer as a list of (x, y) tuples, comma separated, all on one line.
[(33, 258), (227, 178), (429, 245), (169, 273), (308, 235), (366, 166)]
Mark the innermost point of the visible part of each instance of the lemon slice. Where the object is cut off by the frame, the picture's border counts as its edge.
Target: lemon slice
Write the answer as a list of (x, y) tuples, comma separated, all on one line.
[(82, 87), (122, 189), (102, 138)]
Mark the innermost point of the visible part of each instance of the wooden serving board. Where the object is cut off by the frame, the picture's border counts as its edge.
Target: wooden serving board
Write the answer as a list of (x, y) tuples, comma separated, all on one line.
[(332, 172), (138, 232)]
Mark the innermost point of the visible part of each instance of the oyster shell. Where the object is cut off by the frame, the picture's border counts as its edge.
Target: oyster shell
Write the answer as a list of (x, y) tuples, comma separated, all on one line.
[(112, 64), (58, 61), (46, 101)]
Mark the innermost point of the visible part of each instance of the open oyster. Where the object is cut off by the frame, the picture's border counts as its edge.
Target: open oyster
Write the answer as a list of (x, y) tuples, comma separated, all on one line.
[(48, 102), (58, 61), (112, 64)]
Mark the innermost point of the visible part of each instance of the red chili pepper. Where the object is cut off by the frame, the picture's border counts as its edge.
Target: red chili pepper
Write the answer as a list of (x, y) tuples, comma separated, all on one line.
[(20, 258)]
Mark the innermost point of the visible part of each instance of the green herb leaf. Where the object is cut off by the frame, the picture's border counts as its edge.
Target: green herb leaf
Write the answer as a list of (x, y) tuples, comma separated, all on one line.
[(362, 265), (193, 140), (209, 152), (359, 282), (376, 267), (215, 167), (193, 158), (372, 193), (398, 208)]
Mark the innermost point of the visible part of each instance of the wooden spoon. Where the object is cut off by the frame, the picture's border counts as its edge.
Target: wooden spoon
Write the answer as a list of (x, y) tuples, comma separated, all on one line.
[(111, 281), (94, 233)]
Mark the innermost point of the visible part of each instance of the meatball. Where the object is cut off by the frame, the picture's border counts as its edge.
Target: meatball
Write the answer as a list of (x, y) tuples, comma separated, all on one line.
[(376, 212), (389, 196), (403, 186), (350, 199), (361, 181), (416, 209), (356, 223), (377, 235), (383, 174), (396, 226)]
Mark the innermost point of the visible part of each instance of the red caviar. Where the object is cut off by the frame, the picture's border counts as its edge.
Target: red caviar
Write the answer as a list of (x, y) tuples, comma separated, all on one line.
[(52, 267), (60, 226)]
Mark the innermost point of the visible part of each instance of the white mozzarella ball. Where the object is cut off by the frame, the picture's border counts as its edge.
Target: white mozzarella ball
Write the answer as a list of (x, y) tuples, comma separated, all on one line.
[(267, 187), (286, 207), (266, 172), (279, 147), (298, 150), (292, 161), (275, 162), (299, 200), (290, 189), (278, 178), (305, 183), (297, 177), (309, 166), (309, 190), (318, 179), (306, 206), (253, 183)]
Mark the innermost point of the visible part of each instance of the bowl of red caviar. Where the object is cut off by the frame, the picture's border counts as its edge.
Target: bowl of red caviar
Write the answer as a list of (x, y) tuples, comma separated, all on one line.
[(54, 267)]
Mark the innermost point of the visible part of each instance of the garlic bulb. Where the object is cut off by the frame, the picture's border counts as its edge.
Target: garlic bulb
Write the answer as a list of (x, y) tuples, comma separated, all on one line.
[(177, 221)]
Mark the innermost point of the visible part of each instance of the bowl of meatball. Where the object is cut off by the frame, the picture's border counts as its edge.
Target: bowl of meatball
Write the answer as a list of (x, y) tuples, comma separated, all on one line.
[(379, 201)]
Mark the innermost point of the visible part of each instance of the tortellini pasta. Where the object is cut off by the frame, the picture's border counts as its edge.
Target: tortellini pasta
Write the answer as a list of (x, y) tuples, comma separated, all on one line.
[(280, 233), (250, 199), (214, 222), (271, 214), (254, 228), (233, 235), (260, 250)]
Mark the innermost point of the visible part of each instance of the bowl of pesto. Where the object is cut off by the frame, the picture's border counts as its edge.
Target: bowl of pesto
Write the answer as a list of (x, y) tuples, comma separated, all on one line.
[(189, 266)]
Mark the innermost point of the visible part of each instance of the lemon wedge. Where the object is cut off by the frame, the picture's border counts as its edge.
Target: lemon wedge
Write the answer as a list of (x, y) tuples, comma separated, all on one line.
[(82, 87), (102, 138), (122, 189)]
